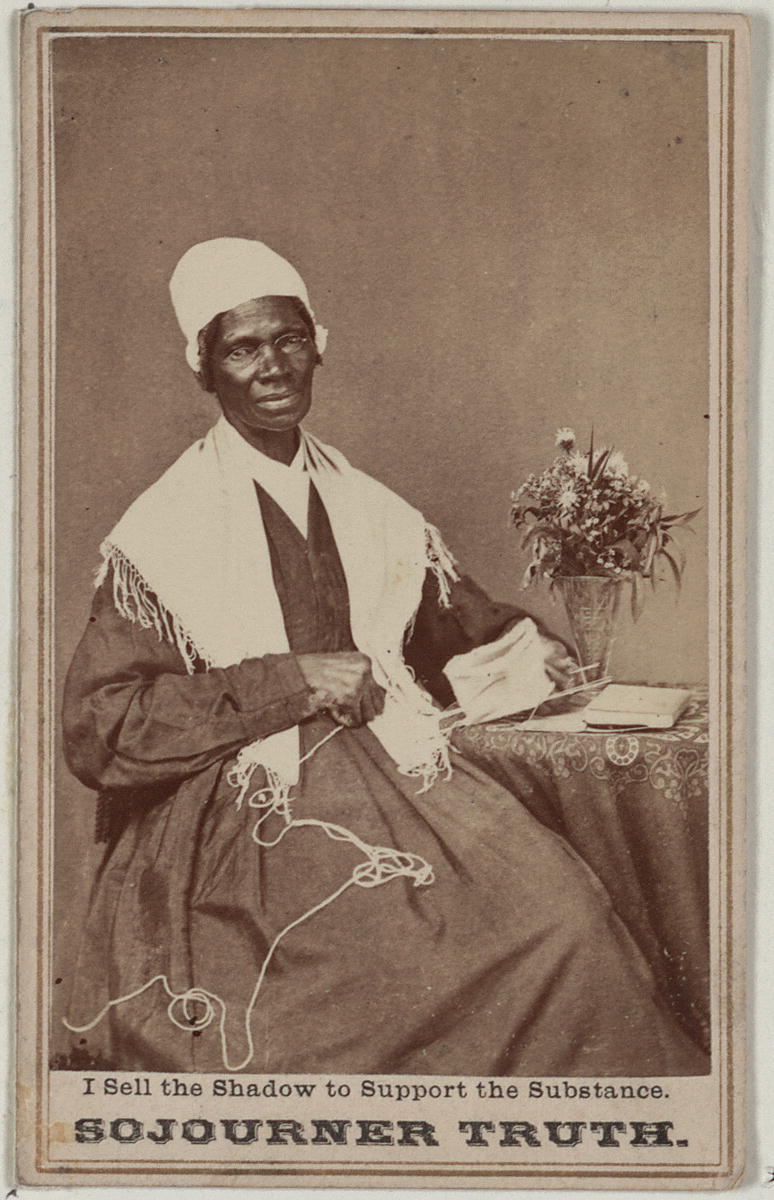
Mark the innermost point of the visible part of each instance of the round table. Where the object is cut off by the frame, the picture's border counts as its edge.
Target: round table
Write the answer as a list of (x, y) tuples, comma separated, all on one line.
[(635, 807)]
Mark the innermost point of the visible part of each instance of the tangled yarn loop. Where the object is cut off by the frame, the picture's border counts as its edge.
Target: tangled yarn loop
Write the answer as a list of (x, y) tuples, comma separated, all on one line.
[(380, 865)]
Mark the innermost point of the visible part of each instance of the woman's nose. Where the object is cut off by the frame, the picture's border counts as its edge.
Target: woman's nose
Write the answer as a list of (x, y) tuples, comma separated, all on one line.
[(270, 362)]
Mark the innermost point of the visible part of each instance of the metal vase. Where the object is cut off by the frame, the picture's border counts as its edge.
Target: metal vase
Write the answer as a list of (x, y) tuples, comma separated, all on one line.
[(592, 603)]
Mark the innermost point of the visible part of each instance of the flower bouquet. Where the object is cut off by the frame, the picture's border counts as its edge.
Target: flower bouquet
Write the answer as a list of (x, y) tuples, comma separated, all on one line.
[(589, 525)]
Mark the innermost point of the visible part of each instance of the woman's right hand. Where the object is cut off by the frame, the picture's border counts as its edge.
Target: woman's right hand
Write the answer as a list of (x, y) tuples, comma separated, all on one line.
[(343, 685)]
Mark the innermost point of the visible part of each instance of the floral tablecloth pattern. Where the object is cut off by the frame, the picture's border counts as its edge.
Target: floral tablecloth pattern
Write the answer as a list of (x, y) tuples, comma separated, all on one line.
[(635, 807)]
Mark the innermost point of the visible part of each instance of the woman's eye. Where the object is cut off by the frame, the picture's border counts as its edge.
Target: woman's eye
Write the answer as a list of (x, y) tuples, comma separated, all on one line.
[(238, 353), (292, 341)]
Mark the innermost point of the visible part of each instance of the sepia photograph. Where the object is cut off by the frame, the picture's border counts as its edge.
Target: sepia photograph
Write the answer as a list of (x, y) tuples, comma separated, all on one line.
[(382, 436)]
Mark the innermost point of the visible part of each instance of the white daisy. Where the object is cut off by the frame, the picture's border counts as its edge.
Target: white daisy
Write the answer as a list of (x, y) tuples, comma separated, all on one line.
[(617, 464)]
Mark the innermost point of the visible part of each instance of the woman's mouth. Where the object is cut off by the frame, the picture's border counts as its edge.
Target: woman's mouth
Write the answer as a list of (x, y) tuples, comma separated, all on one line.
[(276, 398)]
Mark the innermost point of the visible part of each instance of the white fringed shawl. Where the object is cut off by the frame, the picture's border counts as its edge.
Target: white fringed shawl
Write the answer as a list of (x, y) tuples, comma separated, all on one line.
[(190, 559)]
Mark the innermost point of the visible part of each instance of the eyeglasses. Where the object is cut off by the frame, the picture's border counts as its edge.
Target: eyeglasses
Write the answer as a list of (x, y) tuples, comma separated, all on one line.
[(285, 343)]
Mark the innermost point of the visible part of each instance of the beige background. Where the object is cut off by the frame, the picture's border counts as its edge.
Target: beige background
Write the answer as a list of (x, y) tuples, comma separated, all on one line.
[(501, 236)]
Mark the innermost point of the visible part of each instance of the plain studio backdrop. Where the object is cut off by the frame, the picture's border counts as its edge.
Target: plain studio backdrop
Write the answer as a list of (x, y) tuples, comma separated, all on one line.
[(502, 237)]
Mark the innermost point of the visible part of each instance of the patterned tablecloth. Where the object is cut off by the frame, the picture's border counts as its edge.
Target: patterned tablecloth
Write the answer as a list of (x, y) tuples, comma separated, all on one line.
[(635, 807)]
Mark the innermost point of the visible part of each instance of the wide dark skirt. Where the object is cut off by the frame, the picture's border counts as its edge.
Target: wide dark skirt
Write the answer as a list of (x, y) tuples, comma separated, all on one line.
[(510, 963)]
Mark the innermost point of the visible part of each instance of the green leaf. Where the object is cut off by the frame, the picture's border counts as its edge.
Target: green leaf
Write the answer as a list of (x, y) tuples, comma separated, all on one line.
[(675, 568), (648, 554), (539, 531), (601, 463), (637, 598), (679, 518), (676, 549), (630, 553)]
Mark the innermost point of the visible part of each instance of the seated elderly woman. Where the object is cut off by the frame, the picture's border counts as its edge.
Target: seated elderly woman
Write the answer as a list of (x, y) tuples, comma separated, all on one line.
[(298, 877)]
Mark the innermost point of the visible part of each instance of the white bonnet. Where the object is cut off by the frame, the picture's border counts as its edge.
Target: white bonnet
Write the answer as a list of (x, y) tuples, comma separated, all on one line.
[(213, 277)]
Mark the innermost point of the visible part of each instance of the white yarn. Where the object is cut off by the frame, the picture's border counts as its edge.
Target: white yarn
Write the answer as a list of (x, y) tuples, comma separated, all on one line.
[(380, 865)]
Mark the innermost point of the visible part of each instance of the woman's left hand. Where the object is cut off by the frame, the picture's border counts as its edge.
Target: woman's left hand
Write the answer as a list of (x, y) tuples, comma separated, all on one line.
[(560, 667)]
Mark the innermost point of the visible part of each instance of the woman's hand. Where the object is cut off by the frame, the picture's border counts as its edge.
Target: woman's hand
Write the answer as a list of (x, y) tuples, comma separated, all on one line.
[(560, 668), (343, 685)]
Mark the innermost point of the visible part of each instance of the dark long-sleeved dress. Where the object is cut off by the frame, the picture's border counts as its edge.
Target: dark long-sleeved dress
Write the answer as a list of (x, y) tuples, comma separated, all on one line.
[(510, 963)]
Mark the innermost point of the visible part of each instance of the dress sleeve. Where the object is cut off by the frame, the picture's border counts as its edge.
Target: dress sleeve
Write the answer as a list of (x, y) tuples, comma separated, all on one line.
[(470, 619), (133, 718)]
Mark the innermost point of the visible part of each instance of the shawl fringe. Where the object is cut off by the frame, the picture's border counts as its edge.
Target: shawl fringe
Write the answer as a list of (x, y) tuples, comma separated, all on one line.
[(135, 601), (441, 562)]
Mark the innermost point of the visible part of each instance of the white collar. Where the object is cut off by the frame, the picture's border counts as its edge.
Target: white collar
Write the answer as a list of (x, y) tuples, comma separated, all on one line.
[(287, 484), (260, 465)]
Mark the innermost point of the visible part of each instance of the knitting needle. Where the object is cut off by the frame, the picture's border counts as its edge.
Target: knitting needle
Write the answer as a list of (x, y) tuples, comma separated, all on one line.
[(582, 670), (582, 687)]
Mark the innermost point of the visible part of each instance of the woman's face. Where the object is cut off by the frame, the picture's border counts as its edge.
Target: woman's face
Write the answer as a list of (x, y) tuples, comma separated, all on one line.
[(262, 362)]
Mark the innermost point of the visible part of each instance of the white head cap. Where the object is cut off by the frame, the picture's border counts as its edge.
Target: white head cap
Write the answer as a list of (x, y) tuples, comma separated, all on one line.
[(213, 277)]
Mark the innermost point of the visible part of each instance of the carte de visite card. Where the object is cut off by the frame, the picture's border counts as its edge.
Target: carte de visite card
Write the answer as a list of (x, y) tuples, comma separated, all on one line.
[(355, 343)]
